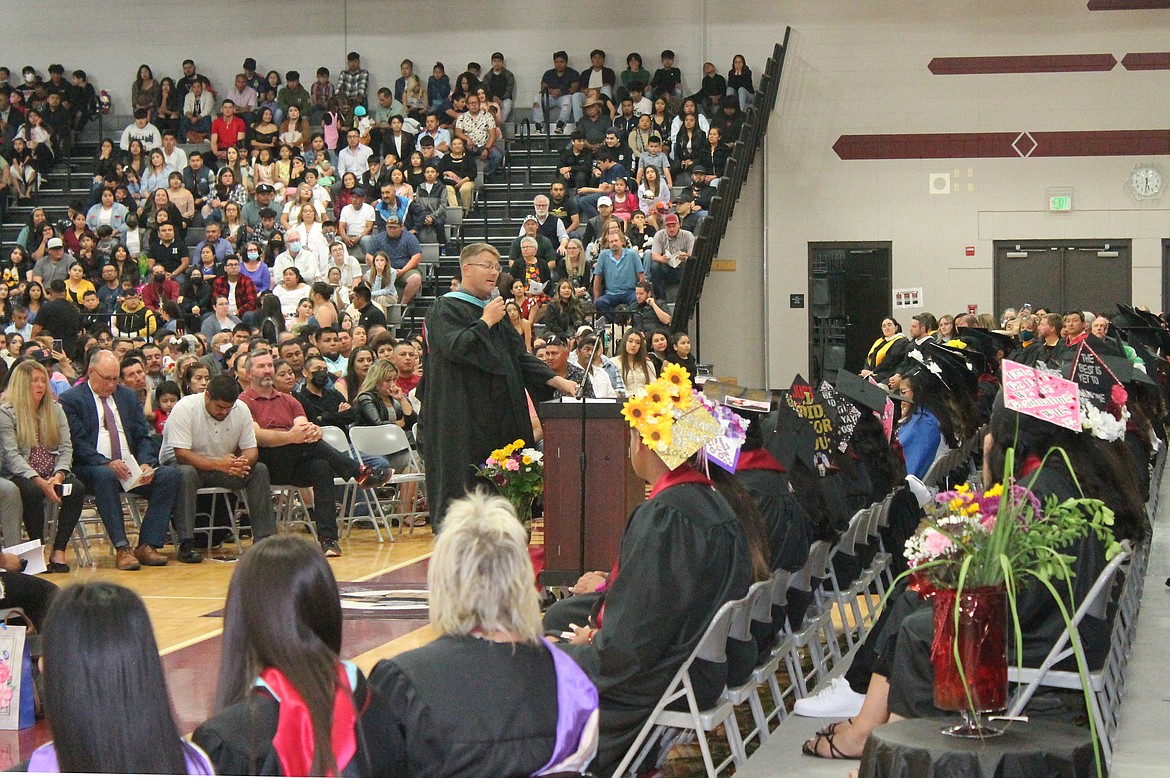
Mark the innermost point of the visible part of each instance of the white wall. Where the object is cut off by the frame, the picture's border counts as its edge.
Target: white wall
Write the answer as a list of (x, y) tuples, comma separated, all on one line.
[(847, 73)]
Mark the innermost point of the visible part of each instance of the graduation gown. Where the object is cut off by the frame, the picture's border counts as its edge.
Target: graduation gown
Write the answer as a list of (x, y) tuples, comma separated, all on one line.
[(788, 525), (682, 556), (238, 739), (472, 393), (462, 706), (1041, 624)]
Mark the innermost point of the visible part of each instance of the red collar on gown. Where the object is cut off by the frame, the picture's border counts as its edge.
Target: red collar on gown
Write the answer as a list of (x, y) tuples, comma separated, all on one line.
[(759, 459), (683, 474), (294, 729), (1031, 465)]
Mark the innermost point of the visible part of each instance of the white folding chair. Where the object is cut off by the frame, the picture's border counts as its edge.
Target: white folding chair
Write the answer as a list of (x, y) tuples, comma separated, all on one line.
[(712, 647), (818, 623), (384, 441), (758, 605), (290, 510), (347, 510), (1104, 683)]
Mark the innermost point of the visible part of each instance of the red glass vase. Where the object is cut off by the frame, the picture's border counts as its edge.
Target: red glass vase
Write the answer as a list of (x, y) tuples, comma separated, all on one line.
[(981, 637)]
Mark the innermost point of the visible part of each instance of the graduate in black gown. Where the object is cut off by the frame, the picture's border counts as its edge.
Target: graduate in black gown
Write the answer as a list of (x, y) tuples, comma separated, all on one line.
[(683, 555), (902, 683), (488, 697), (475, 374)]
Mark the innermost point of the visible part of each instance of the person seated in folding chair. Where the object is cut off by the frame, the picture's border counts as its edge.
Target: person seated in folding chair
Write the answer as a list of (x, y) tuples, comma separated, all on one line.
[(686, 555), (901, 685), (292, 449), (210, 440), (487, 696), (111, 442)]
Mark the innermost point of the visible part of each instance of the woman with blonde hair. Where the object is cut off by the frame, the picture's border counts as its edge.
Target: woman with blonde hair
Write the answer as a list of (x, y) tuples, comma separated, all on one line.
[(38, 455), (532, 709)]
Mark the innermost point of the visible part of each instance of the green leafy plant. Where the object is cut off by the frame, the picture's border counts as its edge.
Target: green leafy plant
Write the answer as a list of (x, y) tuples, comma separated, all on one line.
[(1004, 537)]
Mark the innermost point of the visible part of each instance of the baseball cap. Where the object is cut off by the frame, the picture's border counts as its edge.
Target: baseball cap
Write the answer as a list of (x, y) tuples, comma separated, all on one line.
[(604, 200), (684, 197), (698, 169), (530, 218), (556, 340), (393, 219), (266, 188), (55, 243), (672, 218)]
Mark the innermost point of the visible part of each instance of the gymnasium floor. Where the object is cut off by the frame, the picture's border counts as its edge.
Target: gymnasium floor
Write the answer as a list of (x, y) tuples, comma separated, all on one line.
[(185, 601)]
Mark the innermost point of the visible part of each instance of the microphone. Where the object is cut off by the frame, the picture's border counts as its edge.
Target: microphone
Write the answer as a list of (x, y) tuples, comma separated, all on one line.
[(495, 293)]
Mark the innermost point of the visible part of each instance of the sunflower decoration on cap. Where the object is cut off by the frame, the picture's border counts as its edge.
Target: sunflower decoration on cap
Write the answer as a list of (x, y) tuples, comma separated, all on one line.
[(670, 418)]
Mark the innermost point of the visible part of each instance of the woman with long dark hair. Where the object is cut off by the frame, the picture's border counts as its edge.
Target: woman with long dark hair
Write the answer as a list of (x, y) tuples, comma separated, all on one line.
[(101, 665), (887, 352), (286, 703), (271, 317), (350, 385)]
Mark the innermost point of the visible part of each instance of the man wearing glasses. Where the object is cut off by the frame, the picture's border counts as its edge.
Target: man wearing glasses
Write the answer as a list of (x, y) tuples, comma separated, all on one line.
[(111, 441), (476, 379)]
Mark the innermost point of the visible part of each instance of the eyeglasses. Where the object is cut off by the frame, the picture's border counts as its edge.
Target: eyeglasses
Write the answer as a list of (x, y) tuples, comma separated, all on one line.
[(490, 268)]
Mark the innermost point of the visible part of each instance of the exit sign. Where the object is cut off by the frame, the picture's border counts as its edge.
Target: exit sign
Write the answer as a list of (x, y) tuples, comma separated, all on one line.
[(1060, 198)]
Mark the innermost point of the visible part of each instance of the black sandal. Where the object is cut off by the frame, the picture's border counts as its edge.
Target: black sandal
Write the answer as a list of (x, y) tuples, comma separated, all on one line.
[(834, 752), (831, 729)]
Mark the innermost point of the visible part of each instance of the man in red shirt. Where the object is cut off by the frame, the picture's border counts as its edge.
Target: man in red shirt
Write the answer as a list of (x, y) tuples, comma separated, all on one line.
[(228, 130), (159, 290), (405, 358), (237, 288), (292, 450)]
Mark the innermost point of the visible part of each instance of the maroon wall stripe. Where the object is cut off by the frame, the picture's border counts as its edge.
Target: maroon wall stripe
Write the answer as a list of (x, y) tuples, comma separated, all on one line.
[(972, 145), (1033, 63), (1127, 5), (1156, 60)]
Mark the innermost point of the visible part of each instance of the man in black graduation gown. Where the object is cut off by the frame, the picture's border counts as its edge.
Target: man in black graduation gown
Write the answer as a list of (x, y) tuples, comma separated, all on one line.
[(686, 555), (475, 374)]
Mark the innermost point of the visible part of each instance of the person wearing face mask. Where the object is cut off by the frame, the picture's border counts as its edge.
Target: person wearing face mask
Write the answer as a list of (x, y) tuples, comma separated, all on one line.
[(254, 268), (160, 289), (297, 255), (196, 299), (324, 405)]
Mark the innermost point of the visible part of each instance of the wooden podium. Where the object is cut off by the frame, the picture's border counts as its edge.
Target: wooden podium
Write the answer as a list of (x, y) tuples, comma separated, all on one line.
[(612, 490)]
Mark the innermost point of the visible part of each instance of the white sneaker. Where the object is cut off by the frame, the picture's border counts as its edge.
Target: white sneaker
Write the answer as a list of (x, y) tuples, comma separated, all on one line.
[(836, 701)]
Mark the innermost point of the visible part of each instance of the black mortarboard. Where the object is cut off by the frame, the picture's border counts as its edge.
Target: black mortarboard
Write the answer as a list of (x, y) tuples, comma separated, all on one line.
[(788, 436), (860, 391)]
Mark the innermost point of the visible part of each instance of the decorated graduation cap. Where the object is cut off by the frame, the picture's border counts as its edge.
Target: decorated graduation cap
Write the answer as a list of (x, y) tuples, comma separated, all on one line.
[(1041, 395), (847, 413), (861, 392), (670, 417), (820, 415), (959, 367), (1102, 396), (740, 412)]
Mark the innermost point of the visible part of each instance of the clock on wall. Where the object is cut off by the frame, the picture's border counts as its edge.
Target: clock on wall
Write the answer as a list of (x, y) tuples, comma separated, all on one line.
[(1146, 182)]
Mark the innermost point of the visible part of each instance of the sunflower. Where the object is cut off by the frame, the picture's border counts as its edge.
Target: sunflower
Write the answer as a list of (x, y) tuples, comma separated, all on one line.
[(659, 393), (677, 376), (638, 409), (656, 433)]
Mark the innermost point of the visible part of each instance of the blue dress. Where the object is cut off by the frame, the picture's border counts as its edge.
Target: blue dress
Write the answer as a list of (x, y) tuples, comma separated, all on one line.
[(919, 436)]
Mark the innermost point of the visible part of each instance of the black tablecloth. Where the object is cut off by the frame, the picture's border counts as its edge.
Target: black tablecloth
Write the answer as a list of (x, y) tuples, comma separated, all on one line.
[(915, 748)]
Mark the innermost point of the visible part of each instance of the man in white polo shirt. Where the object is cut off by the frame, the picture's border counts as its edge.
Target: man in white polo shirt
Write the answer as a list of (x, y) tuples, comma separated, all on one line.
[(209, 437)]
